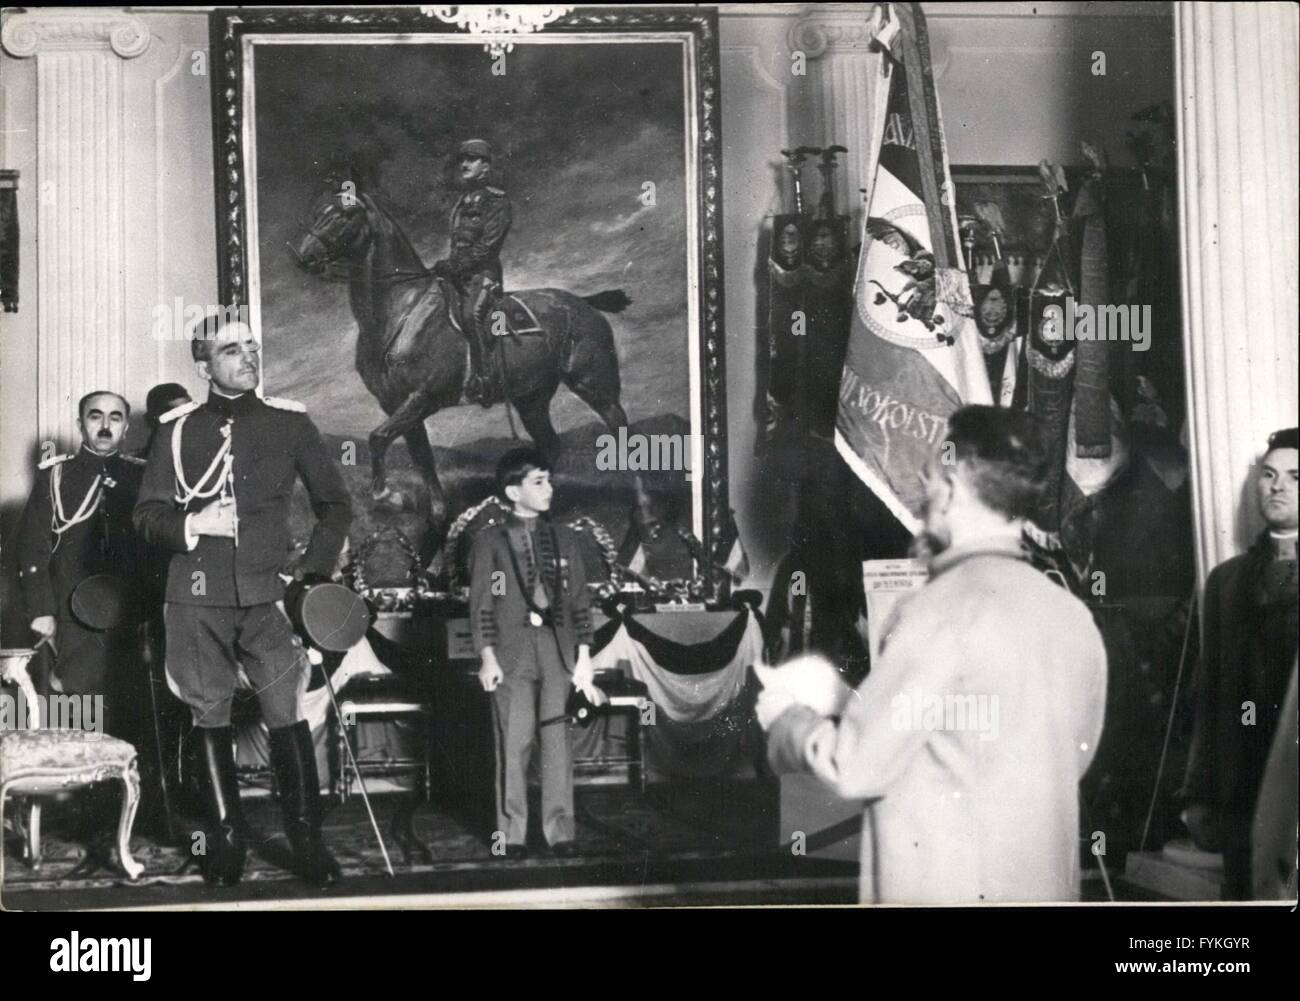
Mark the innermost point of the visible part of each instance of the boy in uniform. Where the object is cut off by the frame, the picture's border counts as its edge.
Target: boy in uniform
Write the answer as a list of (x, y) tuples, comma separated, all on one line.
[(530, 612)]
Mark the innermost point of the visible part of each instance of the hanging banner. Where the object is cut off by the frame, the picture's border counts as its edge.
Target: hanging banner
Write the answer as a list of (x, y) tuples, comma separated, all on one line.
[(703, 722), (786, 320), (9, 240), (828, 305), (810, 274), (913, 355)]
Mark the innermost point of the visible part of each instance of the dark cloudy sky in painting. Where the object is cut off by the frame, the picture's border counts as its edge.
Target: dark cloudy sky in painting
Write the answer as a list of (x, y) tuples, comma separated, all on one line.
[(578, 128)]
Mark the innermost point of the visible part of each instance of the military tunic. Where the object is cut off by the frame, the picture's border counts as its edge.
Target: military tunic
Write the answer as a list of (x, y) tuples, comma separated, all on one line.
[(220, 608), (52, 564), (480, 221), (536, 661)]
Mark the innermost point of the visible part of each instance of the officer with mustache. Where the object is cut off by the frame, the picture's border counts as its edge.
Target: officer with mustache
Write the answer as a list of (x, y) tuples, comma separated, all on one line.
[(77, 524)]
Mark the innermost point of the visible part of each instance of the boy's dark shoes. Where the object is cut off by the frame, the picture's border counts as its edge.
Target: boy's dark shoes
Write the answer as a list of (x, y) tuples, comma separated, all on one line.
[(565, 849)]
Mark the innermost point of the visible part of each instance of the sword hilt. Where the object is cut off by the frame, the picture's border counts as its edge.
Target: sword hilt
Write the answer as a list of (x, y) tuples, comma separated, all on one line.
[(795, 159)]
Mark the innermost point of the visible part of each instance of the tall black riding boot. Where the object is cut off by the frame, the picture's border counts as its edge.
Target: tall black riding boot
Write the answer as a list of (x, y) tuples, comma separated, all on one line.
[(222, 861), (293, 756)]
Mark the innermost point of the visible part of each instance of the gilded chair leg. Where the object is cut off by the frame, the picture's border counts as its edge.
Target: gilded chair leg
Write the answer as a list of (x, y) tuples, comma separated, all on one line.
[(130, 803)]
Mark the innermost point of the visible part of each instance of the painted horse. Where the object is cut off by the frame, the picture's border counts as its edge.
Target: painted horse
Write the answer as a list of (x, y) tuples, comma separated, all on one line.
[(413, 357)]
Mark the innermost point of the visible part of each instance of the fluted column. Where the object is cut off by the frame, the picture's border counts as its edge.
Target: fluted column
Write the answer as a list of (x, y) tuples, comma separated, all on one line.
[(80, 214), (842, 74), (1238, 125)]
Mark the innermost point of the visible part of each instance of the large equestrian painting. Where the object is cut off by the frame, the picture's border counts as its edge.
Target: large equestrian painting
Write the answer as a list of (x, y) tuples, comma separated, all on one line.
[(446, 253)]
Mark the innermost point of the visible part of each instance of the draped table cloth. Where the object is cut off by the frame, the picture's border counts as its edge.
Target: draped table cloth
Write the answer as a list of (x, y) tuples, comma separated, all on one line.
[(696, 668)]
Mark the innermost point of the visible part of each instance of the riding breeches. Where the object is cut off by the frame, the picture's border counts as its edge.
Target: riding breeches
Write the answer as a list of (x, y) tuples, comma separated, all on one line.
[(206, 647), (477, 296)]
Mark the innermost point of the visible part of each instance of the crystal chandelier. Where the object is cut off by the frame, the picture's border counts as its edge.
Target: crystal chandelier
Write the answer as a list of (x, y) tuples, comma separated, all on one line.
[(497, 25)]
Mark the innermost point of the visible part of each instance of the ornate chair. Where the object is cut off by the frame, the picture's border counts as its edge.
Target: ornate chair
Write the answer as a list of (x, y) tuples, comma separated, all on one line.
[(369, 690), (37, 762)]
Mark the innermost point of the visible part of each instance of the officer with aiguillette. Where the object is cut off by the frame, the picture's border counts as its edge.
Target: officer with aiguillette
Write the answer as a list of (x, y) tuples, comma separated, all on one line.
[(77, 524), (480, 221), (216, 493)]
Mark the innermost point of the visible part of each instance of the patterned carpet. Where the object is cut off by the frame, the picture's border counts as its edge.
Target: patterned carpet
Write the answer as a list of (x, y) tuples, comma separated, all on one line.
[(676, 834)]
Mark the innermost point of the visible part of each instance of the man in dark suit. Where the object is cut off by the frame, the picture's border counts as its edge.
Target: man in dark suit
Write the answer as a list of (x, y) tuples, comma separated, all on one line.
[(529, 612), (161, 772), (216, 493), (161, 399), (77, 524), (1249, 613)]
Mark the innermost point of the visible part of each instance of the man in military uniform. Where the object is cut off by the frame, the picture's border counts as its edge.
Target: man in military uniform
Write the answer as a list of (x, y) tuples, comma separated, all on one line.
[(216, 493), (480, 221), (77, 524)]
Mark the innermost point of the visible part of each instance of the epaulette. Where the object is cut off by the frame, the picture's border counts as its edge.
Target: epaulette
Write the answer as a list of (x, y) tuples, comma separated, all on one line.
[(282, 404), (53, 460), (135, 460), (181, 411), (496, 191)]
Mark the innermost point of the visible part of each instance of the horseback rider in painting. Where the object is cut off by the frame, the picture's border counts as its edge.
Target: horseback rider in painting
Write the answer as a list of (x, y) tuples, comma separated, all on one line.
[(410, 330), (480, 221)]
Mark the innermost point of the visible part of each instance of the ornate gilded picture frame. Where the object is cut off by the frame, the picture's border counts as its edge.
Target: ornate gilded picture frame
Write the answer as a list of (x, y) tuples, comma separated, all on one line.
[(338, 138)]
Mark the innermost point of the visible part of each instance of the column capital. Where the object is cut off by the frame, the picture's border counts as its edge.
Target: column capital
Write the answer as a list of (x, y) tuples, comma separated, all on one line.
[(843, 28), (74, 29)]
